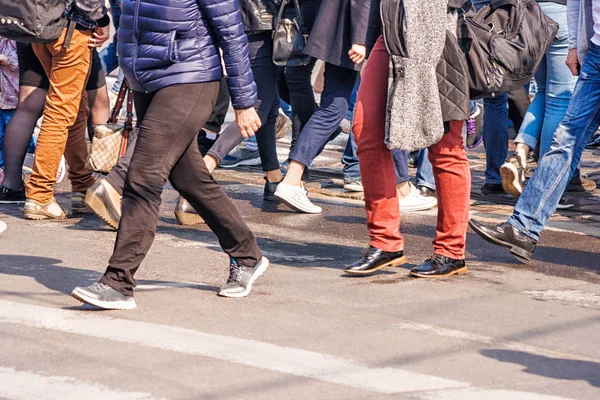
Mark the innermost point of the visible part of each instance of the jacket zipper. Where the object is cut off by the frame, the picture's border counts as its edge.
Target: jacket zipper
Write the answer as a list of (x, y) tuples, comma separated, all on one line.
[(136, 15)]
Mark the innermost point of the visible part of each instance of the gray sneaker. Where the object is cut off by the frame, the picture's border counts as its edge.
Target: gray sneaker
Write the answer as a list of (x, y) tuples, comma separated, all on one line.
[(241, 156), (241, 278), (103, 296)]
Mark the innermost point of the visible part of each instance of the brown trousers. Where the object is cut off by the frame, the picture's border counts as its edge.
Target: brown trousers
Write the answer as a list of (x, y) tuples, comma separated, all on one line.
[(68, 71)]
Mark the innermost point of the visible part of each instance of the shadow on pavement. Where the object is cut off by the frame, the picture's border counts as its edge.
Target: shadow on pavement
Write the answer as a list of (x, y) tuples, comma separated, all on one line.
[(53, 276), (555, 368)]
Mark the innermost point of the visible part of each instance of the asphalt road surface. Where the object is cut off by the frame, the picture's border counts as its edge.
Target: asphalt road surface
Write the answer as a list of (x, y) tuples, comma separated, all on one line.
[(506, 330)]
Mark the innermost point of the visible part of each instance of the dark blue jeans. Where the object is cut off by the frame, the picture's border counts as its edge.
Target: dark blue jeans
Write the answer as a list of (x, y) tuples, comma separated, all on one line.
[(351, 170), (338, 85)]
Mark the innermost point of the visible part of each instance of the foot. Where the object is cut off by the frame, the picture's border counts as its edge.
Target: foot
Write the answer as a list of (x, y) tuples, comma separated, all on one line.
[(103, 296), (286, 164), (9, 196), (283, 126), (241, 156), (581, 184), (2, 226), (239, 283), (270, 188), (62, 170), (415, 201), (426, 192), (375, 259), (296, 198), (439, 266), (78, 203), (492, 188), (513, 176), (37, 211), (354, 186), (104, 200), (474, 125), (506, 235), (564, 204), (185, 214), (413, 162)]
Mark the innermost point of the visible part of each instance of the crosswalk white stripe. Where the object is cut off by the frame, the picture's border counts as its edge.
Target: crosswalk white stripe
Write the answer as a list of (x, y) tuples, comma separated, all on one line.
[(243, 351), (26, 385)]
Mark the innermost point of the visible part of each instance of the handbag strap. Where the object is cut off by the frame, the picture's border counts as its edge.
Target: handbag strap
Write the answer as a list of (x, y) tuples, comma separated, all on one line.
[(298, 14), (123, 90)]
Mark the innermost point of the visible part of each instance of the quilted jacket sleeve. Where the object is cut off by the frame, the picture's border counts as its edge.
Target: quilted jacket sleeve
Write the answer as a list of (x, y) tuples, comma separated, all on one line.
[(226, 22)]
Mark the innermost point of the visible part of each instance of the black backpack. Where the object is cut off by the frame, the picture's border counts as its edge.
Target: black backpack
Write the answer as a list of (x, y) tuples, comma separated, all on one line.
[(32, 21), (504, 44)]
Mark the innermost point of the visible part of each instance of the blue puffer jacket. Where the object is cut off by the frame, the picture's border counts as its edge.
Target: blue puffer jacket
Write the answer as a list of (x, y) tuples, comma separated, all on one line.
[(168, 42)]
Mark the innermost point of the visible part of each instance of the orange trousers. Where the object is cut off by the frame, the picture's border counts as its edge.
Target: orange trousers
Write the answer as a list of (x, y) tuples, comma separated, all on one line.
[(68, 71), (448, 157)]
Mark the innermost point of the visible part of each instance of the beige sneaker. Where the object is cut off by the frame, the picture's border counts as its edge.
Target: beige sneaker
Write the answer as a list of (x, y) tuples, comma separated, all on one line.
[(36, 210), (283, 126)]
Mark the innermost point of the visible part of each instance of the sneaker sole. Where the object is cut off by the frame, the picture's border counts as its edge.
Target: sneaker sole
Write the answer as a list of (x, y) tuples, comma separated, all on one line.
[(419, 208), (261, 270), (460, 271), (97, 207), (510, 180), (242, 163), (394, 263), (516, 251), (12, 201), (294, 206), (112, 305), (185, 218), (41, 217), (353, 188)]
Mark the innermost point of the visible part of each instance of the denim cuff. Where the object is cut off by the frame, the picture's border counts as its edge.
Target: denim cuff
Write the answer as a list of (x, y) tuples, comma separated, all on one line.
[(527, 139), (517, 225)]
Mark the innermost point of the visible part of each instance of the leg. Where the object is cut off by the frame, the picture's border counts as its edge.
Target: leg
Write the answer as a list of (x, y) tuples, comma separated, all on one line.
[(453, 182), (172, 118), (495, 138), (68, 71), (301, 97), (18, 133), (76, 150)]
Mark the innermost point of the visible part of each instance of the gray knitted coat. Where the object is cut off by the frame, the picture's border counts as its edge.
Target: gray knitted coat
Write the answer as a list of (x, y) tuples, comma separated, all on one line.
[(430, 86)]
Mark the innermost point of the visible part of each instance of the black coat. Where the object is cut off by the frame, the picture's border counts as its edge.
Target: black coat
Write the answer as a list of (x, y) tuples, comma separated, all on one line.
[(339, 25)]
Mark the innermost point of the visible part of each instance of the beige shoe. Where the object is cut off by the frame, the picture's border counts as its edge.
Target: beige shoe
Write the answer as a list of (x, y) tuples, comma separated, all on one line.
[(37, 211), (104, 200), (283, 125)]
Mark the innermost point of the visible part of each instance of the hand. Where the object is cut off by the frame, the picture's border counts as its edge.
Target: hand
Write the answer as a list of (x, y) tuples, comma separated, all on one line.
[(4, 60), (357, 53), (248, 122), (573, 62), (100, 36)]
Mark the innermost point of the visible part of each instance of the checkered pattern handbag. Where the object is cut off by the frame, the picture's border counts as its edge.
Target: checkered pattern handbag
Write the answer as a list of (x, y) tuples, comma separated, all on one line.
[(110, 140)]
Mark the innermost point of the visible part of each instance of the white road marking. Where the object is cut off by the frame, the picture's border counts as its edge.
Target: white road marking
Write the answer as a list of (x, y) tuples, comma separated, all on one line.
[(573, 296), (253, 353), (27, 385), (267, 356), (488, 340)]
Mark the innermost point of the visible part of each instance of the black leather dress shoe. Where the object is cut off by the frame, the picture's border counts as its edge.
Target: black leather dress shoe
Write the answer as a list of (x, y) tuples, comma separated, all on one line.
[(506, 235), (426, 192), (492, 188), (374, 260), (270, 188), (439, 267), (185, 214)]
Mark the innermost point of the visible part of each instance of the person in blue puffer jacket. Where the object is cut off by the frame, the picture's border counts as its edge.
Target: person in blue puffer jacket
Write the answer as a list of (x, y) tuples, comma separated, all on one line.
[(169, 53)]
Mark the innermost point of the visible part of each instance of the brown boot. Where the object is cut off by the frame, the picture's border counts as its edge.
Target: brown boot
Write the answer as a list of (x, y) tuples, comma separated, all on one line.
[(51, 210)]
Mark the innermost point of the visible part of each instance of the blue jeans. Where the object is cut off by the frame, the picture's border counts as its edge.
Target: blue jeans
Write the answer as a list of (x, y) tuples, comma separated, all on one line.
[(351, 170), (495, 136), (555, 85), (339, 83), (108, 55), (542, 194), (5, 116), (425, 170)]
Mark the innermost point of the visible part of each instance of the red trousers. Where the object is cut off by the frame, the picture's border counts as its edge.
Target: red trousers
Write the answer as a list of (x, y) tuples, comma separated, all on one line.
[(448, 157)]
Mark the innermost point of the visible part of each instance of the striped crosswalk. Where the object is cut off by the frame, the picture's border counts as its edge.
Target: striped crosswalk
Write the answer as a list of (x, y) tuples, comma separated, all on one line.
[(15, 384)]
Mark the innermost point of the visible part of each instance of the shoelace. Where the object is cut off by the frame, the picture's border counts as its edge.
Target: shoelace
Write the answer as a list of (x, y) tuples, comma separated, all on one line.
[(99, 287), (235, 272), (471, 127)]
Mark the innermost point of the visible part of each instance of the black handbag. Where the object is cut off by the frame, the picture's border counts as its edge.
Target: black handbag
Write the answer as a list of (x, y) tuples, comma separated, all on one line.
[(289, 39)]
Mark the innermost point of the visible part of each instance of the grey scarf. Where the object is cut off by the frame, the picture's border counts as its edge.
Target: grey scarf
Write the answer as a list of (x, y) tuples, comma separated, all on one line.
[(414, 114)]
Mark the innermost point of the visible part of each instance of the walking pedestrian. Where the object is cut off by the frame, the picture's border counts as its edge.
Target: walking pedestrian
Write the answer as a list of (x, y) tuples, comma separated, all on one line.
[(169, 53), (540, 197), (448, 157)]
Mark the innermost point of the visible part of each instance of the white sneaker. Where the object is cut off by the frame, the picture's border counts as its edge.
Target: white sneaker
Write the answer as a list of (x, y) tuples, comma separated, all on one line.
[(416, 202), (296, 197), (2, 226), (354, 186)]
